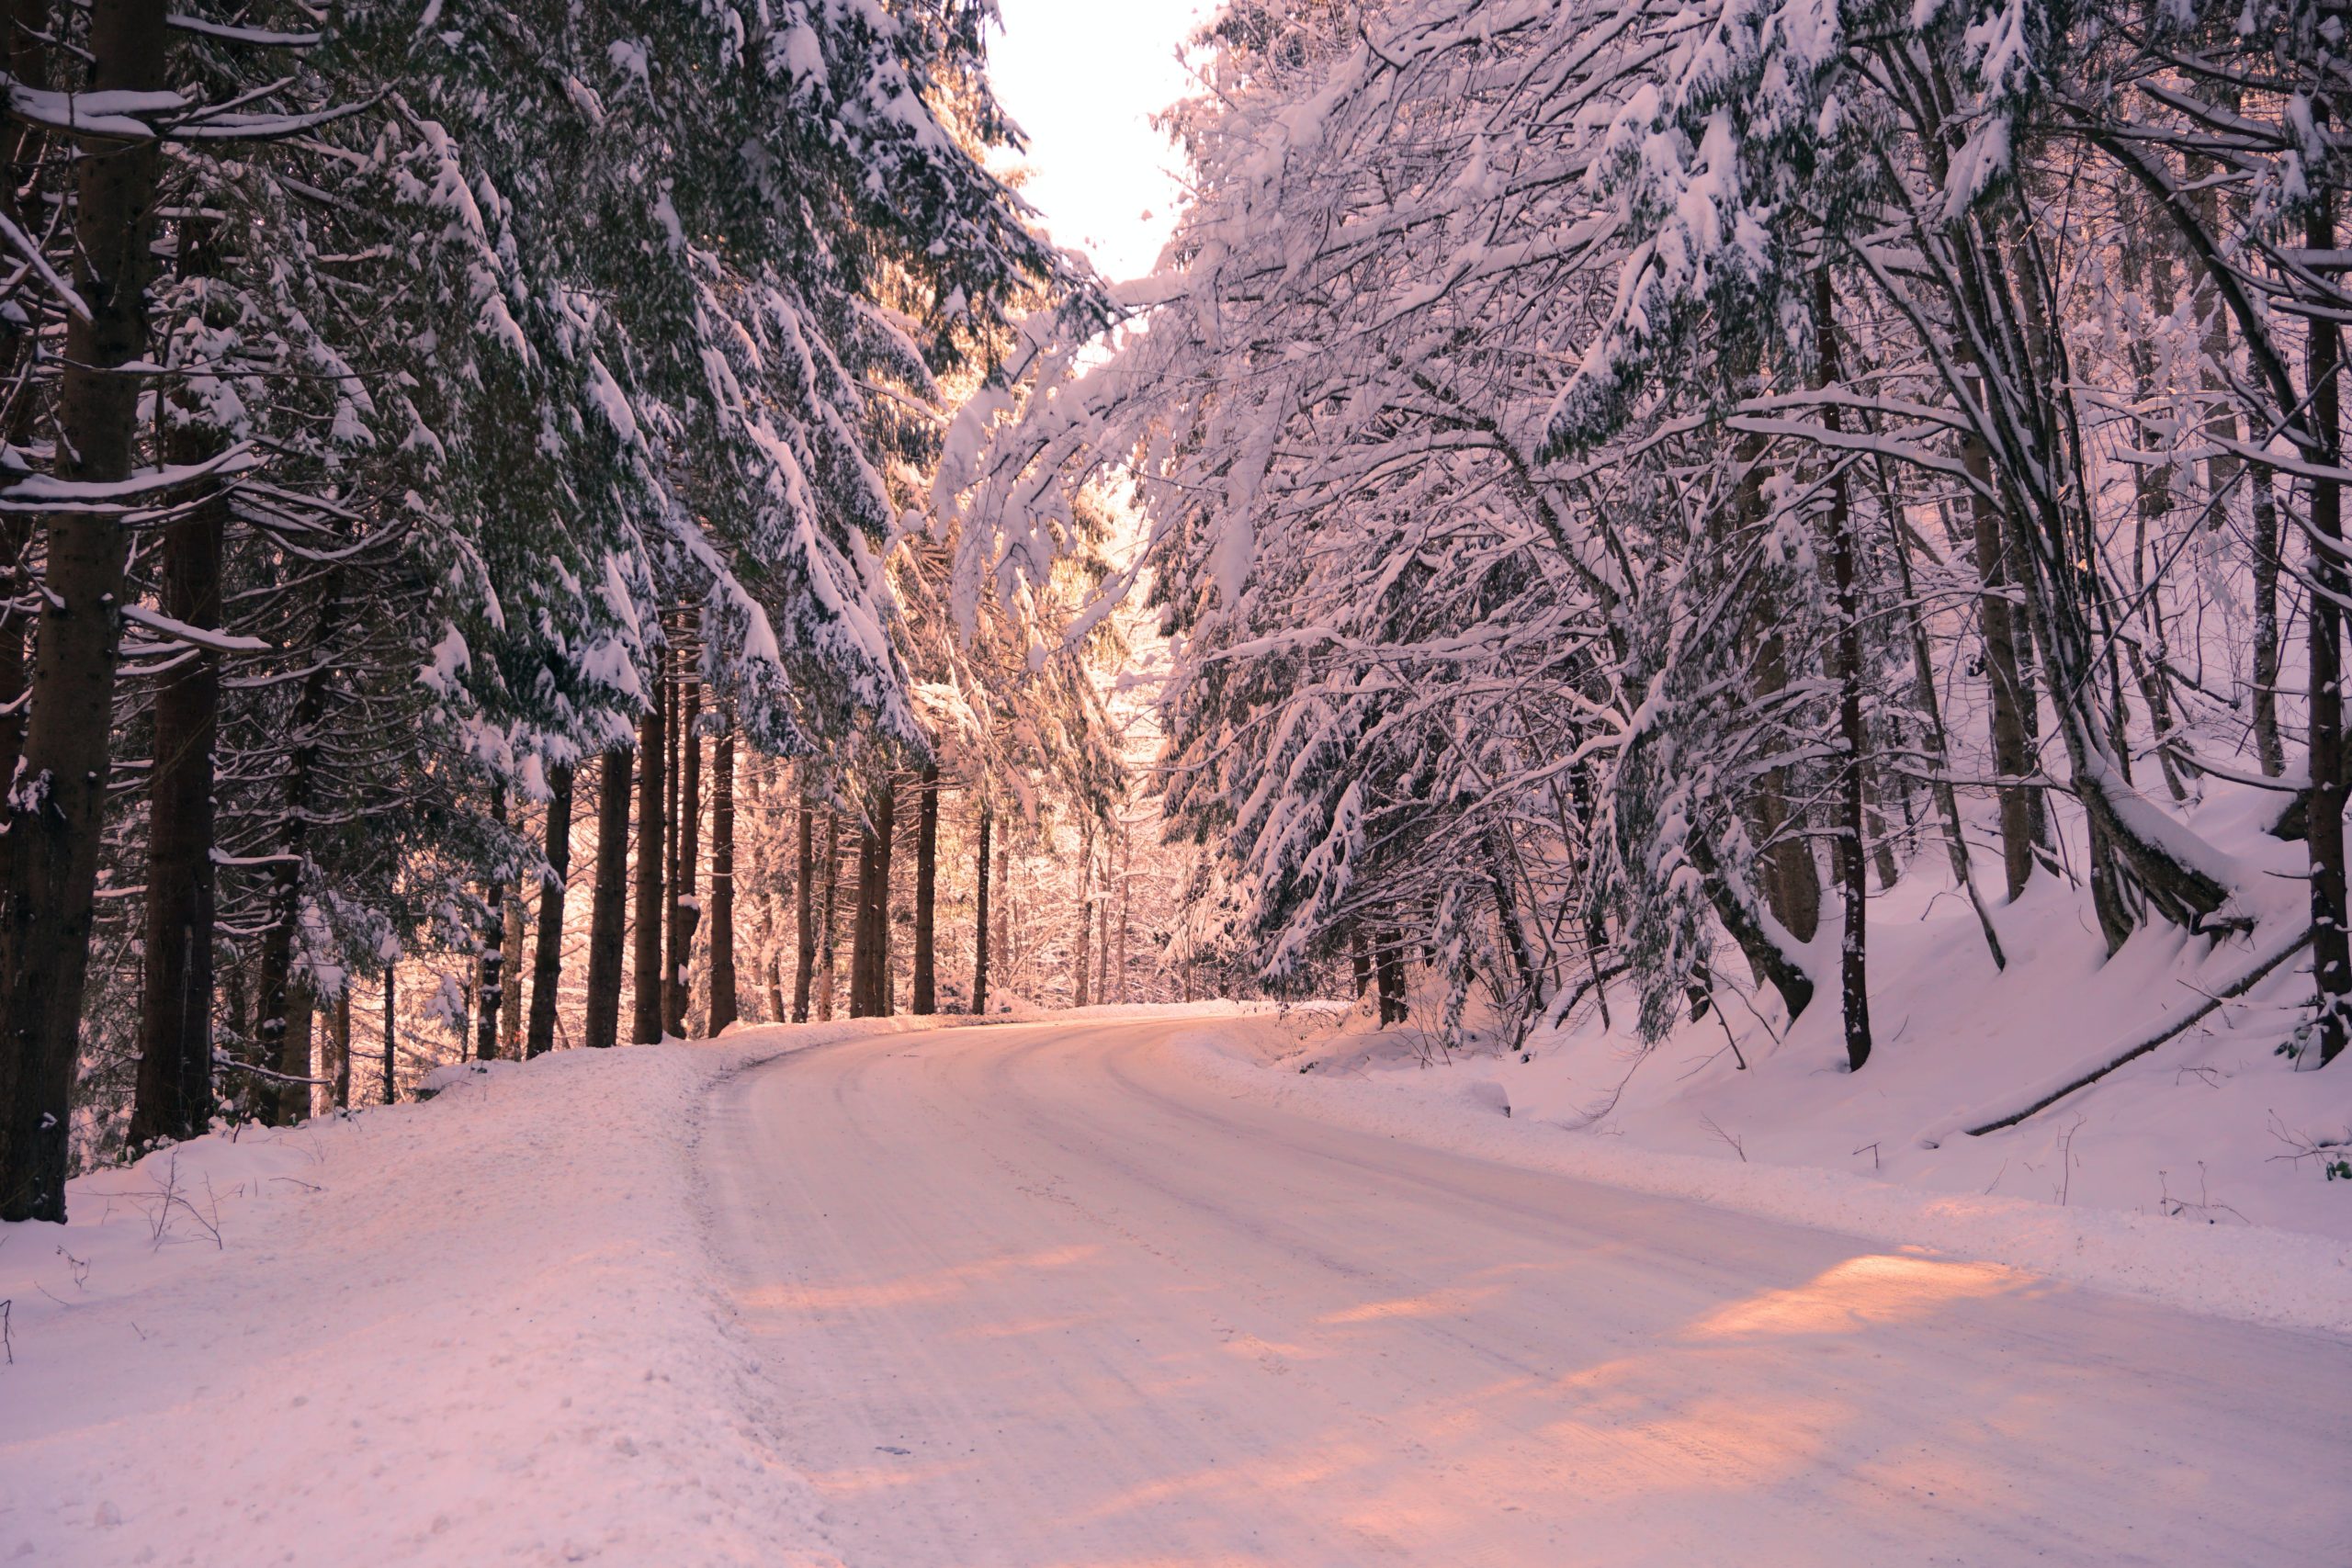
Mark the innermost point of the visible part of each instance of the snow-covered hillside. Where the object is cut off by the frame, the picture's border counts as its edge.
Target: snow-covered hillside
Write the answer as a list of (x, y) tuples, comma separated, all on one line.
[(2223, 1126)]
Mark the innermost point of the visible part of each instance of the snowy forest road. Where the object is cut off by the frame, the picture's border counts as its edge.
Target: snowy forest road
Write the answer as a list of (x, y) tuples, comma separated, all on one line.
[(1043, 1296)]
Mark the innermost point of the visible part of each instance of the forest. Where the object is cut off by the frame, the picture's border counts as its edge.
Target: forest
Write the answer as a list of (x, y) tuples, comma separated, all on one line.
[(569, 525), (1628, 483)]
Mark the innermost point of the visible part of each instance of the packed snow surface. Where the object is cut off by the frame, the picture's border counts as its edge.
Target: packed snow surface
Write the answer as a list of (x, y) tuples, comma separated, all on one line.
[(1079, 1292)]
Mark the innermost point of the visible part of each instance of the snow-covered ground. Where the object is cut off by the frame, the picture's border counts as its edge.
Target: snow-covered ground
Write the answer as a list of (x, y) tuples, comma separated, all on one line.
[(482, 1329), (2215, 1130), (1052, 1294), (1049, 1297)]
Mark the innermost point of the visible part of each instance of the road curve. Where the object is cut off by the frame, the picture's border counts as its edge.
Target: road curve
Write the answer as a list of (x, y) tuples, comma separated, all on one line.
[(1038, 1297)]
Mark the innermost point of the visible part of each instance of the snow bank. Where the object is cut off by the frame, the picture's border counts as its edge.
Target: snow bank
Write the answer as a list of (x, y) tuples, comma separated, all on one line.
[(2194, 1172), (483, 1328), (2252, 1273)]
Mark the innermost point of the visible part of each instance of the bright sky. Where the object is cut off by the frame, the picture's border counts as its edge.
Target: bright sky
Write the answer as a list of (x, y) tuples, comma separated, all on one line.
[(1082, 77)]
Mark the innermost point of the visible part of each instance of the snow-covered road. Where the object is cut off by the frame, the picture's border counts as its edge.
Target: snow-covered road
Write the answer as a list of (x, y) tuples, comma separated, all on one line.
[(1044, 1297)]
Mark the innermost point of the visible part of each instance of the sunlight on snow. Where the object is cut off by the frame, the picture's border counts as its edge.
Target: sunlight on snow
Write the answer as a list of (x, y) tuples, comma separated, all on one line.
[(1877, 1288)]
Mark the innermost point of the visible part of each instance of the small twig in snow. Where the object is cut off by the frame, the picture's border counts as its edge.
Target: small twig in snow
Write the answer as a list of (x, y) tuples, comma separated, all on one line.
[(2066, 1156), (1709, 1122)]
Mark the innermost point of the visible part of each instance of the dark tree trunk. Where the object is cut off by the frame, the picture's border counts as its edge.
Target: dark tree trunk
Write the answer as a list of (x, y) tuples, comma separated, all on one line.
[(1388, 970), (273, 1045), (652, 747), (804, 900), (980, 922), (1359, 958), (925, 1000), (831, 934), (2022, 818), (870, 942), (1853, 864), (2330, 943), (1923, 671), (342, 1047), (49, 878), (686, 908), (1126, 882), (1103, 931), (1791, 881), (2267, 744), (491, 988), (608, 903), (295, 1059), (28, 63), (1085, 918), (173, 1098), (547, 961), (722, 879), (392, 1031)]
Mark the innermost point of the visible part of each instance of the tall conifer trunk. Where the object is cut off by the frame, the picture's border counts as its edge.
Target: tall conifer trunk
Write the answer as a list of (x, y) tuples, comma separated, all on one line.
[(391, 1029), (804, 903), (491, 988), (652, 745), (830, 935), (685, 907), (274, 995), (1853, 866), (2331, 944), (980, 922), (48, 876), (173, 1095), (1085, 919), (723, 999), (29, 52), (342, 1046), (925, 1000), (608, 903), (870, 942), (547, 961)]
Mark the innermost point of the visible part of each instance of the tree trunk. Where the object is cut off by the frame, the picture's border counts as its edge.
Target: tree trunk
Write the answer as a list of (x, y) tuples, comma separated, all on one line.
[(510, 974), (28, 54), (1359, 958), (1853, 865), (2267, 744), (491, 987), (55, 814), (1388, 969), (653, 845), (608, 903), (1085, 916), (294, 1054), (342, 1046), (1939, 742), (392, 1031), (832, 935), (1791, 880), (284, 897), (723, 1000), (1127, 883), (870, 947), (2331, 944), (174, 1096), (546, 961), (2023, 819), (685, 907), (925, 1000), (980, 923), (803, 956)]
